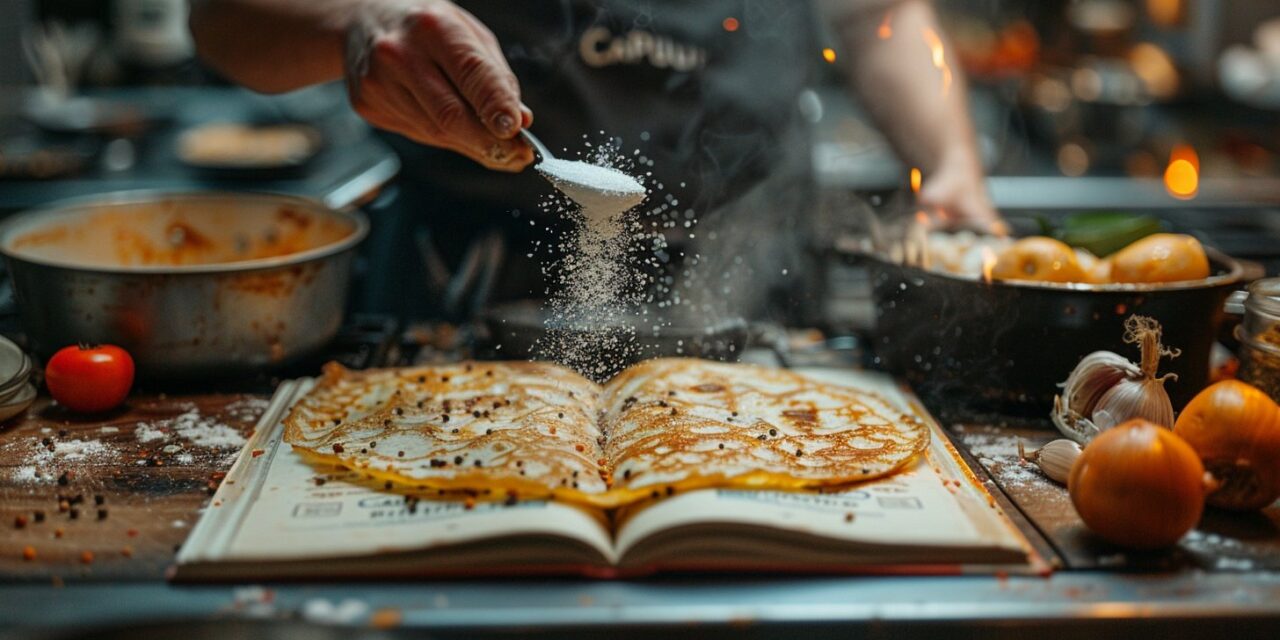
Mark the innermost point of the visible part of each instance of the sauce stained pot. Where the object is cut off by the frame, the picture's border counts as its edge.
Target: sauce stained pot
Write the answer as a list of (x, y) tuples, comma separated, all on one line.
[(974, 349), (192, 284)]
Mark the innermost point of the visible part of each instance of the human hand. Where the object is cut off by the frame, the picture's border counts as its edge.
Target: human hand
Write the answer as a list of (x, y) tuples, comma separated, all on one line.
[(429, 70), (956, 190)]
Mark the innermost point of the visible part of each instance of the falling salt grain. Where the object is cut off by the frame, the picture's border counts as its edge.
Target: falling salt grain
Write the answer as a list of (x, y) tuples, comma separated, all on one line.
[(589, 327)]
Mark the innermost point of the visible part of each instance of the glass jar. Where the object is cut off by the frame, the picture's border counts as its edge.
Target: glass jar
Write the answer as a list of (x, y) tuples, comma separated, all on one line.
[(1259, 336)]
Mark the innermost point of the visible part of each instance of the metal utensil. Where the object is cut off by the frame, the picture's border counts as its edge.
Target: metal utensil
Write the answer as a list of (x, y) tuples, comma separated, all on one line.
[(540, 151), (584, 182), (177, 316)]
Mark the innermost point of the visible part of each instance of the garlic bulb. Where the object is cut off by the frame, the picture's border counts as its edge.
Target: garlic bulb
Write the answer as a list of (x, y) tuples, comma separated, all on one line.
[(1105, 389), (1054, 458)]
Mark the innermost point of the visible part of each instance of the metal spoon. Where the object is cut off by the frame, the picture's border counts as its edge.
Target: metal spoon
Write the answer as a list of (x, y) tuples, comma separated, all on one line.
[(587, 184), (540, 151)]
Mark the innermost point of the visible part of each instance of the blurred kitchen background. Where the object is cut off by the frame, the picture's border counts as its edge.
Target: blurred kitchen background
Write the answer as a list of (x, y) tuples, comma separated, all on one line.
[(1168, 107)]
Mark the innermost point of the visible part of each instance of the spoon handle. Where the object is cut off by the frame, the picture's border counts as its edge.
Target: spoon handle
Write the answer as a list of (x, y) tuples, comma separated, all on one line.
[(540, 150)]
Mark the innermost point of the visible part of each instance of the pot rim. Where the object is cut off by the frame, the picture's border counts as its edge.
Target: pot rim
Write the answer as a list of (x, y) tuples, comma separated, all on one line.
[(1234, 274), (70, 206)]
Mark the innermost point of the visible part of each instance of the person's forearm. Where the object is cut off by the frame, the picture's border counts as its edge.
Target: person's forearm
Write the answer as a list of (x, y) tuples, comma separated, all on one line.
[(273, 45), (920, 107)]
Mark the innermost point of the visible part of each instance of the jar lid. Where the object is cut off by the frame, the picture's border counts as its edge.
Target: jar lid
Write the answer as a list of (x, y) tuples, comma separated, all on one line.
[(1264, 295)]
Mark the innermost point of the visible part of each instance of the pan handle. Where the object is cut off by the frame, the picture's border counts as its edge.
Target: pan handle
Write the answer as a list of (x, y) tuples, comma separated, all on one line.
[(362, 186), (1235, 302), (1251, 270)]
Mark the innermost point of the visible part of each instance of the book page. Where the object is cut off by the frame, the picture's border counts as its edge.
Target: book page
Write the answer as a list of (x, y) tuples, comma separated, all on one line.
[(292, 510), (913, 507), (928, 505)]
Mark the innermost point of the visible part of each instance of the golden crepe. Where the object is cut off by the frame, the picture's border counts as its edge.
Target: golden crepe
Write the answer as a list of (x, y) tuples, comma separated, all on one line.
[(538, 430), (523, 426)]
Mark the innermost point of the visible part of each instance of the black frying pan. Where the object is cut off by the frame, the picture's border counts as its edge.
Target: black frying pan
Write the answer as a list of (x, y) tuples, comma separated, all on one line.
[(973, 348)]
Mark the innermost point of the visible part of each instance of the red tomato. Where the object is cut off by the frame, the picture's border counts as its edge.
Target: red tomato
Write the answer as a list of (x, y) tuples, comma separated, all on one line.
[(89, 379)]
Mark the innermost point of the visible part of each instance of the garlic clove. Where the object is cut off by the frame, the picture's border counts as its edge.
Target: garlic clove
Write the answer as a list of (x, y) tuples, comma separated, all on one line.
[(1128, 399), (1096, 374), (1103, 419), (1071, 424), (1056, 458), (1092, 377)]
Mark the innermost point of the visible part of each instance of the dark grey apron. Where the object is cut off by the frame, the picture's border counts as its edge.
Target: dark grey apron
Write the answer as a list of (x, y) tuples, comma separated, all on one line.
[(712, 108)]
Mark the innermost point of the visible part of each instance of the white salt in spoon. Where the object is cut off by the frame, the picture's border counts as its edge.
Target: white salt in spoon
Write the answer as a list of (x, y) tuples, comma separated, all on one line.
[(601, 191)]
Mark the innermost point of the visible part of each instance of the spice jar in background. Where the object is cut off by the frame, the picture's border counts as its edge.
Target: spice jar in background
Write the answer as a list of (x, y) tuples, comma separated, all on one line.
[(1259, 336)]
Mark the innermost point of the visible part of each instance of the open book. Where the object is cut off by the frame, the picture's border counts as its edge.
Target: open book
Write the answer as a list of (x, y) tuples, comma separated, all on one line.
[(280, 516)]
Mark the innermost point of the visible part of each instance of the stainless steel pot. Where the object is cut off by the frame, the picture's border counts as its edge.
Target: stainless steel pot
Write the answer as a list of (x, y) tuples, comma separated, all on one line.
[(190, 283)]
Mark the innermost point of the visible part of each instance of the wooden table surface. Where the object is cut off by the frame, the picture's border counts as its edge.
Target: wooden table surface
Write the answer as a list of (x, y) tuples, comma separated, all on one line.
[(111, 497), (1223, 541)]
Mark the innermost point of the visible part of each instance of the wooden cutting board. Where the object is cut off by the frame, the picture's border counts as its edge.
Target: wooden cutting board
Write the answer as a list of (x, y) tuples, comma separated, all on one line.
[(111, 497)]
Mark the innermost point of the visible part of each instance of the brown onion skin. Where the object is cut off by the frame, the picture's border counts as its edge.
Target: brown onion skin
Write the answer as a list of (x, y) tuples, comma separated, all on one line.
[(1138, 486), (1235, 428)]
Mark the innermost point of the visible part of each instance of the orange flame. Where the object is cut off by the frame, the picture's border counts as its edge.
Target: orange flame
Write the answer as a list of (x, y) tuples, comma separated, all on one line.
[(1182, 176), (939, 54), (916, 179), (829, 54), (989, 260), (885, 31), (730, 24), (922, 219)]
